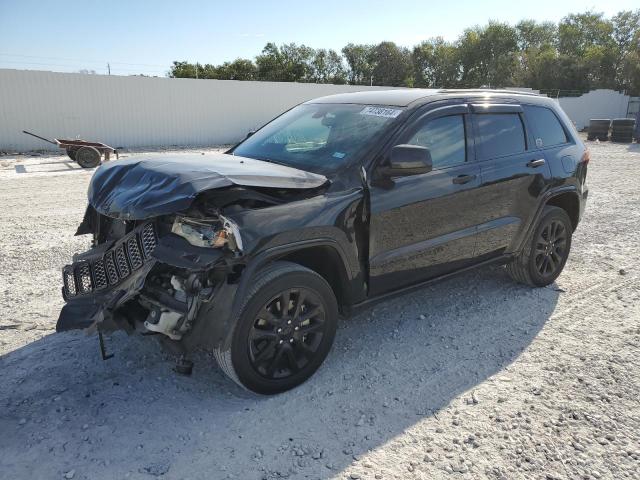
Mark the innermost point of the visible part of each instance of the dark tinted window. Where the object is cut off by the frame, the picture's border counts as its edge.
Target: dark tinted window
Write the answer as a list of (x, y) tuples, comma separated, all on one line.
[(546, 126), (444, 137), (499, 134)]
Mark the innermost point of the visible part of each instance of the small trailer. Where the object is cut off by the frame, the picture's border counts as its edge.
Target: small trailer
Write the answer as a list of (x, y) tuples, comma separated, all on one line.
[(86, 154)]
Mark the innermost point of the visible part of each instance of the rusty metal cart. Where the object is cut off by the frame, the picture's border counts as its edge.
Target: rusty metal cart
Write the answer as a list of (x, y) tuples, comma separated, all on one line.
[(86, 154)]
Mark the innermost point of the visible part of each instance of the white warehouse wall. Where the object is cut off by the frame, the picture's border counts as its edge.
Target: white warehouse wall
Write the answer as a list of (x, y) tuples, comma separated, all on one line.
[(140, 111), (595, 104), (151, 112)]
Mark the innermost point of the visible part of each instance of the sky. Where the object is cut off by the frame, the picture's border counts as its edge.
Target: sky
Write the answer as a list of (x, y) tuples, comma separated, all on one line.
[(137, 36)]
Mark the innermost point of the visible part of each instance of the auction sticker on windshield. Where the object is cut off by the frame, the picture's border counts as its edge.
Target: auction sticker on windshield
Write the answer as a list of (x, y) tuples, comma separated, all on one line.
[(381, 112)]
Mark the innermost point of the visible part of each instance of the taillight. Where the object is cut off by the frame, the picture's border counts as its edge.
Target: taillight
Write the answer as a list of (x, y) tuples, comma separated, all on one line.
[(586, 156)]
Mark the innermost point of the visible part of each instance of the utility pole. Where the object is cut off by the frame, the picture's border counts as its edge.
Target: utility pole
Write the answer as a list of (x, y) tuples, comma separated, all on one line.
[(108, 69), (196, 69)]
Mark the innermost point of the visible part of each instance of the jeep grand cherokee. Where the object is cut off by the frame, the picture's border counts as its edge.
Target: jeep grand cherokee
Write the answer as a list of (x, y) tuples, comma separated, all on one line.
[(340, 201)]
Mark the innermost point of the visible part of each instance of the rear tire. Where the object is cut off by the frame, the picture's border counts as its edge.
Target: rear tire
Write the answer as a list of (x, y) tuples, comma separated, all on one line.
[(71, 153), (284, 330), (546, 251), (88, 157)]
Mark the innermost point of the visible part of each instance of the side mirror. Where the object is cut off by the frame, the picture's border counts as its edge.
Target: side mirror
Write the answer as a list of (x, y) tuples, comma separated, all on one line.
[(408, 160), (249, 134)]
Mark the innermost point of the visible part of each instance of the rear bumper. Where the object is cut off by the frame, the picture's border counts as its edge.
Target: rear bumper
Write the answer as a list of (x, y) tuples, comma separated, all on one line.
[(583, 201)]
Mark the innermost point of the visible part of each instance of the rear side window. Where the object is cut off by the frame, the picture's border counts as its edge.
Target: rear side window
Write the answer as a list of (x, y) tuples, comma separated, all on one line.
[(499, 134), (547, 127), (444, 137)]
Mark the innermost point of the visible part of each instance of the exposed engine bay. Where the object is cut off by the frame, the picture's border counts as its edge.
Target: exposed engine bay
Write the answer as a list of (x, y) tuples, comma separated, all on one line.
[(156, 274)]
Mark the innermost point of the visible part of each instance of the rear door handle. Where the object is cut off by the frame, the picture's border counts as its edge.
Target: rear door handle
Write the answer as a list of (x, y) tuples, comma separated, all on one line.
[(535, 163), (461, 179)]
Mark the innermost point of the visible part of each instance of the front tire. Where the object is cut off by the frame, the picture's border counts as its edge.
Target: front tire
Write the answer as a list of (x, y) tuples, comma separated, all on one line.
[(546, 251), (284, 331)]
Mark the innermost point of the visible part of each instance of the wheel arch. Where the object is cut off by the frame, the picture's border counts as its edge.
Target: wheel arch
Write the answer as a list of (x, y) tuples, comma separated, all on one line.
[(566, 197), (323, 256), (570, 202), (325, 260)]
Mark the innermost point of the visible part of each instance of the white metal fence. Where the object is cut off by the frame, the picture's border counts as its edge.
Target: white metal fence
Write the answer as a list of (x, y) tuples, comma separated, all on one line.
[(595, 104), (140, 111)]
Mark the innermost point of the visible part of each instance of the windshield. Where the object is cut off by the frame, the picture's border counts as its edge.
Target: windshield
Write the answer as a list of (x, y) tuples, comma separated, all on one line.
[(318, 137)]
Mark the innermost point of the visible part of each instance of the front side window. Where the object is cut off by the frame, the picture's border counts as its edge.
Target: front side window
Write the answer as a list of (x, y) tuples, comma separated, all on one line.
[(499, 134), (445, 139), (549, 131), (318, 137)]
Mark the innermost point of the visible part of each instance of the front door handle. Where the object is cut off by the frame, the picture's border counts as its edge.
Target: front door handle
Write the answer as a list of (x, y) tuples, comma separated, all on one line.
[(535, 163), (461, 179)]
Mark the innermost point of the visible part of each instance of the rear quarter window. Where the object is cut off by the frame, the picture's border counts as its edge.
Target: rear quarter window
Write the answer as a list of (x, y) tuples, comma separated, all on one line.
[(499, 134), (547, 128)]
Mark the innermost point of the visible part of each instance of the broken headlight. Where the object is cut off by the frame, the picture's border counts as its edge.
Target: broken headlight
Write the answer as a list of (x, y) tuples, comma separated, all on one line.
[(213, 233)]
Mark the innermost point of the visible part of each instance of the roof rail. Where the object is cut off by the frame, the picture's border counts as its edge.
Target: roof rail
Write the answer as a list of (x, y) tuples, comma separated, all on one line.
[(488, 90)]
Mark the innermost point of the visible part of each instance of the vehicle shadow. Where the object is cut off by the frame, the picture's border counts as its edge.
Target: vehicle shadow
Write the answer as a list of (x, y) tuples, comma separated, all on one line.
[(392, 366)]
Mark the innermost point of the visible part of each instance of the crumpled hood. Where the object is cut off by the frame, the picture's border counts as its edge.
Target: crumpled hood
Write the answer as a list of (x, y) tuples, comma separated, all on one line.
[(139, 188)]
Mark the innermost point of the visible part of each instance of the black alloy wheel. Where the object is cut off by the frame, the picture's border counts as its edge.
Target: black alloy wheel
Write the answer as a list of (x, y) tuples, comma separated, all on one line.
[(550, 250), (286, 333), (283, 332), (544, 255)]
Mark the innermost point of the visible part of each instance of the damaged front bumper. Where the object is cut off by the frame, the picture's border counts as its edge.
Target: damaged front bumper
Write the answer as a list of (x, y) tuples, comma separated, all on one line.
[(145, 282), (104, 278)]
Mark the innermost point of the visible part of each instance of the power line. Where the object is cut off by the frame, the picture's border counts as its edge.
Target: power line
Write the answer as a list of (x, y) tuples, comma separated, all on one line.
[(81, 60), (81, 67)]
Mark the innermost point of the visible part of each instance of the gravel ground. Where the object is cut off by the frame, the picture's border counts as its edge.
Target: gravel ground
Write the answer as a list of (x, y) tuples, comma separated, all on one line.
[(474, 377)]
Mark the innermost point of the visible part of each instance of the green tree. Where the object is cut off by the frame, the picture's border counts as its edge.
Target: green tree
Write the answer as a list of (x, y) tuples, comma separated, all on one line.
[(551, 70), (358, 59), (239, 69), (534, 40), (578, 32), (182, 70), (270, 64), (581, 52), (626, 35), (193, 70), (630, 71), (489, 55), (587, 38), (327, 67), (436, 64), (533, 35), (297, 62), (288, 63), (391, 65)]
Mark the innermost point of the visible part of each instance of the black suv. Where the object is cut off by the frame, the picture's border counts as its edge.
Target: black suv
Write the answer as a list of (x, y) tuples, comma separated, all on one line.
[(338, 202)]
